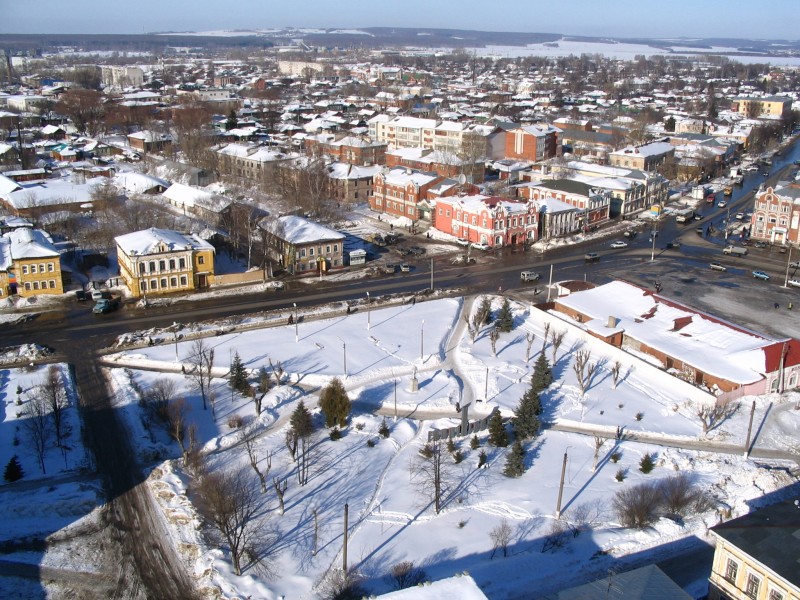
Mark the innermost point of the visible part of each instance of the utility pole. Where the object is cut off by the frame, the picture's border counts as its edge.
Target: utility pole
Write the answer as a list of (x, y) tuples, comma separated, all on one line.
[(369, 320), (749, 430), (395, 398), (431, 274), (561, 486), (294, 304), (550, 284), (344, 547), (486, 386), (421, 339)]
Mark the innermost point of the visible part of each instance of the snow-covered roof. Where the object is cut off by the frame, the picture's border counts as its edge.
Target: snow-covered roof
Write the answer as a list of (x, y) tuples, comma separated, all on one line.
[(138, 183), (25, 243), (403, 177), (707, 343), (186, 195), (462, 587), (8, 185), (253, 153), (342, 170), (149, 241), (298, 230), (52, 192)]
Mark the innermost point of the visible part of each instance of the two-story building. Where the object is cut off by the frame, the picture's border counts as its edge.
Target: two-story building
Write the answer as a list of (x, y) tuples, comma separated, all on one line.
[(532, 142), (445, 164), (774, 107), (349, 182), (30, 265), (399, 192), (645, 157), (348, 149), (755, 556), (776, 215), (489, 220), (250, 161), (302, 246), (162, 261), (593, 204)]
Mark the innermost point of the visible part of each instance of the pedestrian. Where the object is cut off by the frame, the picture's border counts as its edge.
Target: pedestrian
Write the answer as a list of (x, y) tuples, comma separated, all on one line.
[(619, 433), (776, 306)]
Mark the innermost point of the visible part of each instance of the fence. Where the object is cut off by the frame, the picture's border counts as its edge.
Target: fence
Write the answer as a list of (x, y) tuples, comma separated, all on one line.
[(255, 276)]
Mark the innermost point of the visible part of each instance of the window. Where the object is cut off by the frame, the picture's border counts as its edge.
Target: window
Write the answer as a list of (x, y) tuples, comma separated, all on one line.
[(201, 260), (41, 268), (311, 252), (162, 265), (163, 283), (33, 268), (153, 284), (184, 281), (751, 589), (173, 282), (52, 284), (28, 285), (731, 569), (182, 263), (24, 269), (336, 247), (143, 286), (776, 595), (36, 285), (302, 252), (50, 267), (327, 249), (171, 264)]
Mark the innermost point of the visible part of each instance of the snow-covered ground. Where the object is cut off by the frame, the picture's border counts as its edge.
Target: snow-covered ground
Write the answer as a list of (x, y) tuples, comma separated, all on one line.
[(390, 519)]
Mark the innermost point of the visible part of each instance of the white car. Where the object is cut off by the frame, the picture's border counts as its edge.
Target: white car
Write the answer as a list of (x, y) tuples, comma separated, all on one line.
[(722, 204), (479, 246), (619, 244), (462, 242), (794, 283)]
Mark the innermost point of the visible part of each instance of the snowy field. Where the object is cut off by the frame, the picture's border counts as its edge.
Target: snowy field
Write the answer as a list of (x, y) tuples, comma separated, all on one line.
[(390, 517)]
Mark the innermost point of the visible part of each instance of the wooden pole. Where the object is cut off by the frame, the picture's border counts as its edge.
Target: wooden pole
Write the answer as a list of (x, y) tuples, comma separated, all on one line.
[(749, 430), (344, 549), (561, 486)]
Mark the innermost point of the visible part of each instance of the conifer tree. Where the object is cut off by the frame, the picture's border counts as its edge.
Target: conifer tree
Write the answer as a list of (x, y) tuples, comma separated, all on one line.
[(301, 420), (238, 375), (526, 416), (505, 318), (13, 470), (498, 436), (335, 404), (542, 374), (515, 461)]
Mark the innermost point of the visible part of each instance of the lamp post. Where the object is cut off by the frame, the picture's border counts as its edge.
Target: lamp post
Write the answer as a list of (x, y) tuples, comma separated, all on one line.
[(421, 339), (788, 265), (431, 275), (294, 304), (369, 321), (344, 355)]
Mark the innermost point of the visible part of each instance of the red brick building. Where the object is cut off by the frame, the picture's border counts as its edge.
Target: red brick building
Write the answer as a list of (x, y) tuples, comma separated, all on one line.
[(400, 192), (776, 215), (349, 149), (532, 142), (444, 164), (594, 204), (487, 220)]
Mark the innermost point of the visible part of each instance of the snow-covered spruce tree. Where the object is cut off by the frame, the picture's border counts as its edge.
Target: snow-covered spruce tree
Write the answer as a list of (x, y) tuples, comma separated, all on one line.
[(505, 318), (526, 416), (484, 312), (498, 436), (515, 461), (13, 470), (542, 374), (335, 404), (238, 375)]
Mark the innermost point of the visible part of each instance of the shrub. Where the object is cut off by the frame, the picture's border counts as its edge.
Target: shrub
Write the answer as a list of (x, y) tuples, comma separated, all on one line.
[(621, 474), (497, 431), (474, 443), (426, 451), (235, 422), (451, 445), (335, 404), (639, 416), (615, 456), (336, 434), (515, 461), (637, 506), (458, 456), (405, 575), (370, 443), (680, 496), (360, 426), (646, 464), (462, 524), (13, 470), (482, 458), (384, 429)]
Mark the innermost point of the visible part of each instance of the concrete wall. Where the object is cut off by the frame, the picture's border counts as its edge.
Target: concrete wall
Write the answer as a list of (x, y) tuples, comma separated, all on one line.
[(257, 276)]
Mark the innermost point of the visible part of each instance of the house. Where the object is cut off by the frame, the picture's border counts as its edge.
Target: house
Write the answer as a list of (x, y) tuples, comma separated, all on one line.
[(532, 142), (35, 198), (645, 157), (755, 557), (593, 203), (150, 141), (645, 583), (399, 192), (443, 163), (250, 161), (770, 107), (133, 182), (776, 215), (30, 265), (349, 149), (351, 183), (694, 346), (489, 220), (162, 261), (196, 201), (302, 246), (461, 587)]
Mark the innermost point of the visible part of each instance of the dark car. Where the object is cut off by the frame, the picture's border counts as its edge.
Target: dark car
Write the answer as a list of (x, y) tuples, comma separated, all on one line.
[(416, 250), (82, 295)]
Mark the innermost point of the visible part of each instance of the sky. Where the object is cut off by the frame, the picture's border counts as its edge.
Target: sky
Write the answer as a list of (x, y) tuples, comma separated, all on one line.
[(618, 18)]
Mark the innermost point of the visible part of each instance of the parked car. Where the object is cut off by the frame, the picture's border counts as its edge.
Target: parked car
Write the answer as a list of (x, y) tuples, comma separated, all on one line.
[(529, 276), (479, 246), (106, 305), (82, 295), (591, 257), (760, 244), (715, 266), (619, 244), (405, 268), (795, 264), (462, 242), (389, 269), (794, 283), (416, 250), (761, 275)]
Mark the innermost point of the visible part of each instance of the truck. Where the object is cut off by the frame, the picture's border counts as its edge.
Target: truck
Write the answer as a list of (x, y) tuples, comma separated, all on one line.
[(529, 276), (734, 250), (684, 215), (106, 305)]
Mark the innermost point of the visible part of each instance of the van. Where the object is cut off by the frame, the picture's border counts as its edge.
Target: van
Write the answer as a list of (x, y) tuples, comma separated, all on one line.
[(529, 276)]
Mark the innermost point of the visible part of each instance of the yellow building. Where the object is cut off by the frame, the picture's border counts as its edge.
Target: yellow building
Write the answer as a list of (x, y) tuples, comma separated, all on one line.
[(768, 107), (29, 264), (756, 556), (160, 261)]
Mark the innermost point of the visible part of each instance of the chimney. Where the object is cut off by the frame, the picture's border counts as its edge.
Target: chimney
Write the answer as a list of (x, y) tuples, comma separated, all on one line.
[(612, 322)]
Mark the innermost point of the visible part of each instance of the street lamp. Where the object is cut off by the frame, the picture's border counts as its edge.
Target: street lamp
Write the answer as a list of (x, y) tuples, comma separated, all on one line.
[(369, 322), (344, 355), (295, 321), (421, 338), (788, 264)]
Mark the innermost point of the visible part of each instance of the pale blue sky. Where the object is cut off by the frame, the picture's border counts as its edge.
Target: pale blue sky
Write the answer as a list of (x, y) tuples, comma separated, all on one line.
[(772, 19)]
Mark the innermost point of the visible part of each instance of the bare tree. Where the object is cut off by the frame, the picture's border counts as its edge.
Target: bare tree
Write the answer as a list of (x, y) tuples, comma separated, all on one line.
[(56, 397), (260, 391), (545, 335), (711, 416), (501, 538), (579, 367), (280, 486), (472, 330), (202, 361), (36, 423), (248, 437), (429, 473), (615, 370), (494, 335), (176, 417), (277, 371), (599, 442), (159, 395), (556, 340), (235, 516), (529, 338), (405, 575)]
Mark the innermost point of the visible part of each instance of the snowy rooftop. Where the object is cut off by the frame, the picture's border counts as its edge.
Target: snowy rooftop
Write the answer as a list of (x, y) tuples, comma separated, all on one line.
[(298, 230), (24, 243), (147, 241), (138, 183), (341, 170), (462, 587), (52, 192), (697, 339), (254, 153), (404, 177), (653, 149)]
